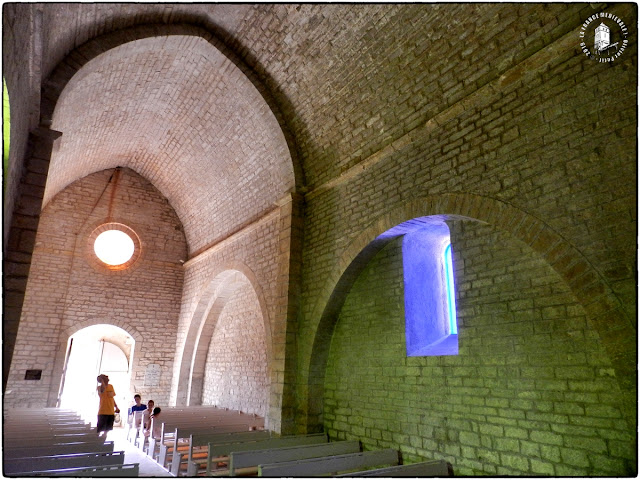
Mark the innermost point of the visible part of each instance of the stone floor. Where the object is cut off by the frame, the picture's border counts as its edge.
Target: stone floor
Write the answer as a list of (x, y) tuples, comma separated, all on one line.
[(132, 454)]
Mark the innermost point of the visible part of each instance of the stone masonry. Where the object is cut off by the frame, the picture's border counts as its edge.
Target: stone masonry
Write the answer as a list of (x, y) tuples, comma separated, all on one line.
[(259, 152)]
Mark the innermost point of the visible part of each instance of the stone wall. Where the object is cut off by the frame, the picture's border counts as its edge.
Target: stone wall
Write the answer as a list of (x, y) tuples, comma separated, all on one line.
[(69, 289), (522, 151), (531, 392), (236, 373), (22, 32), (392, 112), (254, 256)]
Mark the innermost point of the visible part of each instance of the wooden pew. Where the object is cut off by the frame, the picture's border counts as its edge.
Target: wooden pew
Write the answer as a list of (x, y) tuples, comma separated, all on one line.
[(215, 438), (19, 421), (99, 445), (134, 429), (126, 470), (52, 439), (197, 417), (330, 465), (246, 463), (221, 452), (41, 413), (57, 462), (25, 427), (41, 431), (432, 468), (171, 446)]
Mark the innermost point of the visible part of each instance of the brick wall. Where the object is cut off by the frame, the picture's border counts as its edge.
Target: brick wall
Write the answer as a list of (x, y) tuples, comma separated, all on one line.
[(252, 255), (527, 139), (68, 289), (236, 374), (530, 393), (21, 39), (488, 111)]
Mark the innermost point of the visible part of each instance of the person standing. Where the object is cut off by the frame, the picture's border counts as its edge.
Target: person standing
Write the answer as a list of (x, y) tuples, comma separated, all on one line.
[(108, 407)]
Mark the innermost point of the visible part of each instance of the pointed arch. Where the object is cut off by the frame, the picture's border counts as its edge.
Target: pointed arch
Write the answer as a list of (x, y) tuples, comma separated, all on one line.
[(55, 84), (203, 322)]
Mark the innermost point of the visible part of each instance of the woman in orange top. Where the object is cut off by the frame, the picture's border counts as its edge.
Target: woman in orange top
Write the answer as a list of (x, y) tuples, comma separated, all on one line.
[(108, 407)]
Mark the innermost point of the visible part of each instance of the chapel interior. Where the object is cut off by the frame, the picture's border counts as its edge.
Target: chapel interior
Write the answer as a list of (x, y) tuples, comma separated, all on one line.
[(408, 224)]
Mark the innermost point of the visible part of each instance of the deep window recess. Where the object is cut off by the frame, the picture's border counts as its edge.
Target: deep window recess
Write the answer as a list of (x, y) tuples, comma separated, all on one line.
[(429, 293)]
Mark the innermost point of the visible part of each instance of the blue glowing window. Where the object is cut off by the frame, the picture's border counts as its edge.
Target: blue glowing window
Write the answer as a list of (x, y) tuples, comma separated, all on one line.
[(429, 292), (451, 293)]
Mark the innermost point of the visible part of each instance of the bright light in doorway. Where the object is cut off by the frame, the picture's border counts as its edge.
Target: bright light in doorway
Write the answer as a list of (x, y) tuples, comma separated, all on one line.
[(114, 247)]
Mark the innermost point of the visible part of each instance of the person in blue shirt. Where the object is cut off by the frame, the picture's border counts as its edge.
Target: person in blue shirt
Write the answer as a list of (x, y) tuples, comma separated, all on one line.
[(139, 406)]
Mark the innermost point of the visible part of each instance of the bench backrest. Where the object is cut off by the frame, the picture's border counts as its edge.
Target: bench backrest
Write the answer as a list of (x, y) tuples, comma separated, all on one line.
[(433, 468), (30, 432), (54, 439), (43, 421), (98, 445), (203, 439), (56, 462), (188, 432), (229, 437), (329, 465), (225, 449), (253, 458), (218, 438), (126, 470), (136, 418), (168, 427), (274, 442)]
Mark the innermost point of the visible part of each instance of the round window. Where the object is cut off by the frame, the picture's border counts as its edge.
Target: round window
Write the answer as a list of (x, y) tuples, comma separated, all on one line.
[(114, 247)]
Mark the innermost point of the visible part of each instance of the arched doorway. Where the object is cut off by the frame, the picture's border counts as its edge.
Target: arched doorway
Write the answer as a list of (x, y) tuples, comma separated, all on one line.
[(93, 350)]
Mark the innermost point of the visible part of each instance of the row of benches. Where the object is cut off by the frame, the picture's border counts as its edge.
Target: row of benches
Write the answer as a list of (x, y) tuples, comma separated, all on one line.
[(307, 455), (180, 422), (54, 442), (213, 442)]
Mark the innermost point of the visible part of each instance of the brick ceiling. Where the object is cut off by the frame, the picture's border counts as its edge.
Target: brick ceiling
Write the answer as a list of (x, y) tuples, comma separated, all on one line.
[(346, 81), (180, 114)]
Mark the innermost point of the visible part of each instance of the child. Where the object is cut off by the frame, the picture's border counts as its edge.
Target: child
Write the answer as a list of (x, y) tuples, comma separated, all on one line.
[(157, 423), (146, 418)]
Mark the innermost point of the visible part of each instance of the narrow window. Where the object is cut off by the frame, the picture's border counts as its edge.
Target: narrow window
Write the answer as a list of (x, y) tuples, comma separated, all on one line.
[(429, 292), (451, 293)]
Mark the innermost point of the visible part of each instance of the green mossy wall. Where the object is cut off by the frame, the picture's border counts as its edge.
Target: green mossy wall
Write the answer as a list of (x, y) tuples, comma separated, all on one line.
[(530, 393)]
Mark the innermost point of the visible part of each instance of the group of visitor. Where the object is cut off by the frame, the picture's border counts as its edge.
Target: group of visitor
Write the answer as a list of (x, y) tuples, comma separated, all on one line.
[(108, 409)]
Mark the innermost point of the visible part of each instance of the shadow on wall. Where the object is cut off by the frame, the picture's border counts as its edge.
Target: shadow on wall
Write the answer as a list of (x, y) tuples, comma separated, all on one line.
[(527, 394)]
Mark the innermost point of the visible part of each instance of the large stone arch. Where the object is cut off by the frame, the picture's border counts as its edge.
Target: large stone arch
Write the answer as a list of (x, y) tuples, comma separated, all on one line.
[(203, 321), (600, 303), (42, 139), (54, 85), (58, 364)]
